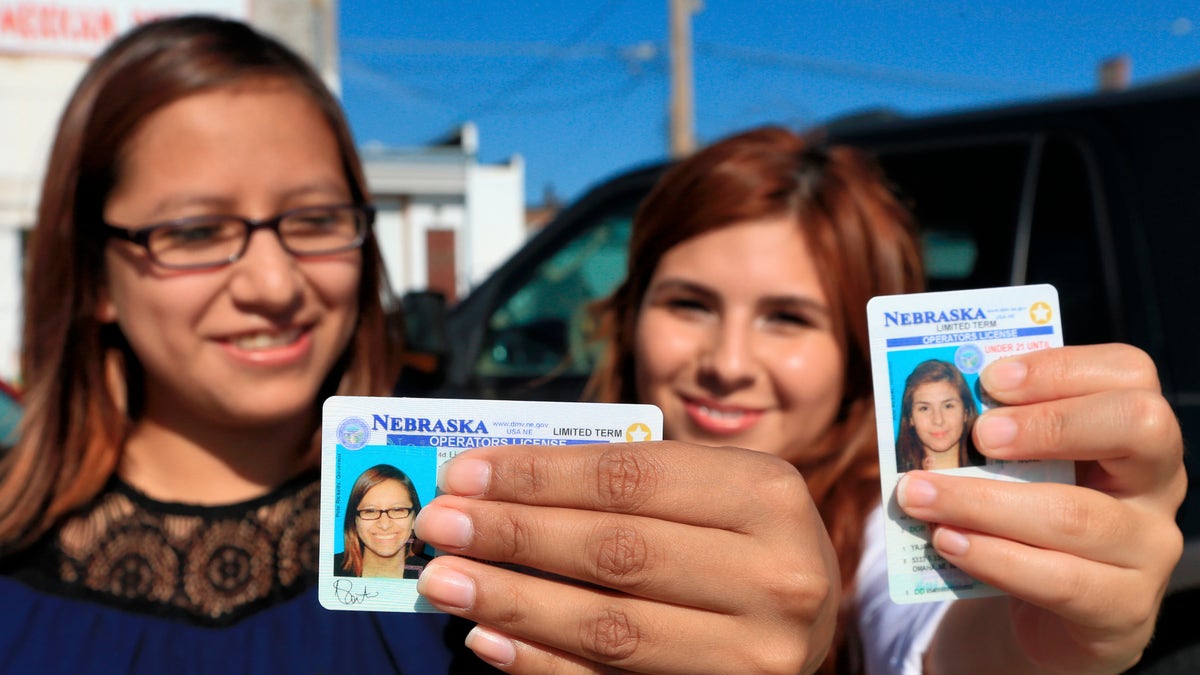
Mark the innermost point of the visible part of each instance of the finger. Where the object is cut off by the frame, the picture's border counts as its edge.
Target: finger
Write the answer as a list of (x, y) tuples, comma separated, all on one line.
[(1069, 371), (1132, 433), (513, 655), (1089, 604), (605, 628), (633, 554), (1069, 519), (661, 479)]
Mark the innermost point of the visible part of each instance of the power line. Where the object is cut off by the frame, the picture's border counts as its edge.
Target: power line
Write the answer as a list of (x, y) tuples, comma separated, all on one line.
[(406, 89), (868, 72), (650, 51), (464, 48), (531, 76), (385, 82), (579, 99)]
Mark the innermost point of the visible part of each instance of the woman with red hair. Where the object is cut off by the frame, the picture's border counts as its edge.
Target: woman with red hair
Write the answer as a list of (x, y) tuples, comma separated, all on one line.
[(743, 317)]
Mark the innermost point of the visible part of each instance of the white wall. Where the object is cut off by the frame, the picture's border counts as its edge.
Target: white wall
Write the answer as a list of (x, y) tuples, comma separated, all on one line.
[(389, 232), (444, 187), (32, 92), (10, 303), (496, 217)]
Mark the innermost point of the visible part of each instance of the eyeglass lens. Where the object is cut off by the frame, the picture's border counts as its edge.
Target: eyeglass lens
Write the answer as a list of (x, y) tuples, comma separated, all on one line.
[(395, 513), (201, 241)]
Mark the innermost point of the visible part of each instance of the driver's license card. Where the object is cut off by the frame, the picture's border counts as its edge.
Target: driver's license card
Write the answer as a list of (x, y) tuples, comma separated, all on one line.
[(379, 462), (927, 350)]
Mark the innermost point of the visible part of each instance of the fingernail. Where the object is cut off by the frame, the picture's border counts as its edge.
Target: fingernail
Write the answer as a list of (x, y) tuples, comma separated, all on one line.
[(444, 528), (995, 430), (915, 492), (465, 477), (1004, 375), (492, 647), (446, 587), (950, 542)]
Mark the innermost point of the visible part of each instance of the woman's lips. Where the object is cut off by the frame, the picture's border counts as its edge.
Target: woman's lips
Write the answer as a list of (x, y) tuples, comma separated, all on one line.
[(720, 419), (266, 339), (270, 347)]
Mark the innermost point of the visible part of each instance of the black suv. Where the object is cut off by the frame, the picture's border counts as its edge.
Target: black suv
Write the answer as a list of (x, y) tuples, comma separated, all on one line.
[(1098, 195)]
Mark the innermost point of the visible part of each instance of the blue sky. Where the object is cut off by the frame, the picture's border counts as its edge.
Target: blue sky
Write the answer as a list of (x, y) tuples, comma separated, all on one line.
[(580, 89)]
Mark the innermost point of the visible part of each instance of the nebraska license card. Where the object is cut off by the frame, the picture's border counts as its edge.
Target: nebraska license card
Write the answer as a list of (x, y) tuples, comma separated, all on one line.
[(379, 463), (927, 350)]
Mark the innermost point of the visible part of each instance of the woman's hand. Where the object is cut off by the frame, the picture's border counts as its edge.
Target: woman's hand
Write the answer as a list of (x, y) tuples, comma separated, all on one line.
[(1086, 566), (653, 557)]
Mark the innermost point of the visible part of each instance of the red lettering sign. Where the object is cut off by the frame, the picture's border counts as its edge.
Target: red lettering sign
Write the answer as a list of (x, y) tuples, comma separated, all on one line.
[(46, 22)]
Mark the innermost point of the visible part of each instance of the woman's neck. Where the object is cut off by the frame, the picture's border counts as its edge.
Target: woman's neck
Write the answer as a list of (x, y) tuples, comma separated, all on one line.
[(207, 465), (375, 566), (935, 460)]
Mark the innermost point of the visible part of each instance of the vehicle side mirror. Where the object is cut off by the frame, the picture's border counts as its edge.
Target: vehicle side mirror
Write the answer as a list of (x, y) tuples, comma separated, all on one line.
[(425, 322), (426, 345)]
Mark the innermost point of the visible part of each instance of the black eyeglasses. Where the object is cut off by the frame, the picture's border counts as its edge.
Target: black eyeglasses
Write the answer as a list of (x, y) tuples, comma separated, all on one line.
[(212, 241), (395, 513)]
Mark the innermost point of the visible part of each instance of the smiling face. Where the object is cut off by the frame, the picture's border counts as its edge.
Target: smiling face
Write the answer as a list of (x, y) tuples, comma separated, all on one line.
[(937, 416), (249, 343), (385, 538), (734, 341)]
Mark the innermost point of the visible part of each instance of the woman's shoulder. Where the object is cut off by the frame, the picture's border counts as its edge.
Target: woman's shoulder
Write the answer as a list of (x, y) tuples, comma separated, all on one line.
[(414, 563)]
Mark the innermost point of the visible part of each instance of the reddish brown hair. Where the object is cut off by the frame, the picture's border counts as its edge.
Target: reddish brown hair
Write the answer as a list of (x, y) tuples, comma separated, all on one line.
[(82, 383), (863, 245)]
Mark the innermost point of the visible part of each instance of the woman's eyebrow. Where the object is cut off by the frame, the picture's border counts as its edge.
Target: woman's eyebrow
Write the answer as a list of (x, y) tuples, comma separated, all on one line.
[(681, 285), (802, 302), (172, 204), (178, 201)]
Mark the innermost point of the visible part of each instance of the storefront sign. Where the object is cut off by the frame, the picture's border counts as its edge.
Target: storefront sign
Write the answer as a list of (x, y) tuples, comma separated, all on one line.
[(84, 27)]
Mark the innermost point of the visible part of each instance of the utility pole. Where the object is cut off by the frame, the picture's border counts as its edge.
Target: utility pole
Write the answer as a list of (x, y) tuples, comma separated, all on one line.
[(683, 135), (1115, 73)]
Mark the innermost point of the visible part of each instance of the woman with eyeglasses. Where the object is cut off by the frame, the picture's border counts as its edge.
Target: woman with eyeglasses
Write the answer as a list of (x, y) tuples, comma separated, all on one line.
[(377, 537), (202, 275)]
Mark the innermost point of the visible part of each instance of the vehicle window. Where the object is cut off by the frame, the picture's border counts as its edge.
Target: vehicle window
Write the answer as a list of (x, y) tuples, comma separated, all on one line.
[(966, 201), (10, 416), (1064, 244), (542, 328)]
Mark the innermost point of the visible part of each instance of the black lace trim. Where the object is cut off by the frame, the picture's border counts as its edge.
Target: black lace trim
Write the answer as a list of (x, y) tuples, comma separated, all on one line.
[(210, 566)]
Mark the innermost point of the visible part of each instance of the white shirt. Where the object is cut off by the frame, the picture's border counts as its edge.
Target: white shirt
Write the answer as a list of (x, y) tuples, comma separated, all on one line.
[(894, 636)]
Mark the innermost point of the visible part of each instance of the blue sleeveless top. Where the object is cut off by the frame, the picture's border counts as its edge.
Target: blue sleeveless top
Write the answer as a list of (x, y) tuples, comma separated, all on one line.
[(133, 585)]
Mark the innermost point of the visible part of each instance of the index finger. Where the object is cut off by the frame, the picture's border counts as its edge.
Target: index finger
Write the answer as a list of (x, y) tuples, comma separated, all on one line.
[(685, 483), (1067, 372)]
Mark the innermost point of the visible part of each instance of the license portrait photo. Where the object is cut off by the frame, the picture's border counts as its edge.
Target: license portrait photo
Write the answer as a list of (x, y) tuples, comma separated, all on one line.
[(380, 492), (934, 408)]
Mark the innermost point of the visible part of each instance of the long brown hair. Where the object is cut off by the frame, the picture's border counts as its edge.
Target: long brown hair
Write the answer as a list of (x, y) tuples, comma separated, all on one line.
[(863, 245), (352, 546), (910, 452), (83, 384)]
